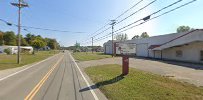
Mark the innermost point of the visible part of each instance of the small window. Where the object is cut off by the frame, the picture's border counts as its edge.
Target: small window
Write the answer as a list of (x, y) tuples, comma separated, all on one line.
[(201, 55), (179, 53)]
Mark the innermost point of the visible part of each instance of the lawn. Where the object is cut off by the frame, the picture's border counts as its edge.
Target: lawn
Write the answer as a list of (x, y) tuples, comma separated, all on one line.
[(9, 61), (86, 56), (140, 85)]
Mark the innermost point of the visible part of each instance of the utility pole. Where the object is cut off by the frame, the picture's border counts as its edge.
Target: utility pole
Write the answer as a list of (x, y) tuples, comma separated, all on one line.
[(92, 43), (20, 4), (113, 22)]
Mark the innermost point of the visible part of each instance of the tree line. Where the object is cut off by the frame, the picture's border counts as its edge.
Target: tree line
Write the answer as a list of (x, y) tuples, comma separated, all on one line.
[(36, 41), (124, 37)]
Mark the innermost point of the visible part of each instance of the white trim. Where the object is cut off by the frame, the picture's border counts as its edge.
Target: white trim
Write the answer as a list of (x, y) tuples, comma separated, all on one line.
[(88, 84)]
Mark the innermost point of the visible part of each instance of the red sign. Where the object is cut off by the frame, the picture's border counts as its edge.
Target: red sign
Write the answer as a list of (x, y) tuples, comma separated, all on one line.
[(125, 67)]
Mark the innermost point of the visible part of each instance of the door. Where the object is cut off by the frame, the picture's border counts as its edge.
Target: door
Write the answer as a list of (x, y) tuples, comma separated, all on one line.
[(142, 50)]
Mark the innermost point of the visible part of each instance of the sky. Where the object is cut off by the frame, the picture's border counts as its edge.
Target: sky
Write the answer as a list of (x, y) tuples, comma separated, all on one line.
[(87, 16)]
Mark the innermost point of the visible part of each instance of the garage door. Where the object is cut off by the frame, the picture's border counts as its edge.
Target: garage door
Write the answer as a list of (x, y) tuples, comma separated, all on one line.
[(142, 50)]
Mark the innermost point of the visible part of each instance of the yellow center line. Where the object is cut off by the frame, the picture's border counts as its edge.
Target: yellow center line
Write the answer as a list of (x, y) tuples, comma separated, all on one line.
[(39, 85)]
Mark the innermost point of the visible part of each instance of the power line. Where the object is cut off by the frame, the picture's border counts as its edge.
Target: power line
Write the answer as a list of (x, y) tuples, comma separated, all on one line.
[(46, 29), (38, 28), (129, 15), (115, 19), (10, 24), (100, 28), (102, 31), (106, 36), (148, 17), (161, 14), (137, 11), (129, 9)]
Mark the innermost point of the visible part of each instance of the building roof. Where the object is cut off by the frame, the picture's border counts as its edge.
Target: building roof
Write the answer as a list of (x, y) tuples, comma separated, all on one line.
[(153, 46), (192, 36), (168, 40)]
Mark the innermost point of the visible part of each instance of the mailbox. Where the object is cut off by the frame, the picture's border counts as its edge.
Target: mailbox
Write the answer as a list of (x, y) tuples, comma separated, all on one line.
[(125, 66)]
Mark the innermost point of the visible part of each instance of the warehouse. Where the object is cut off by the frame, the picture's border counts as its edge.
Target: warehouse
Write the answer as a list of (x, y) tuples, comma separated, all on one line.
[(108, 46), (186, 46)]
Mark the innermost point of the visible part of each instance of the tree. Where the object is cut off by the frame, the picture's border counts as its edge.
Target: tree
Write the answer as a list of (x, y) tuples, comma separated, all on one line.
[(183, 29), (144, 35), (52, 43), (122, 37), (23, 42), (9, 38), (7, 51), (77, 47), (38, 43), (1, 38), (29, 37), (136, 37)]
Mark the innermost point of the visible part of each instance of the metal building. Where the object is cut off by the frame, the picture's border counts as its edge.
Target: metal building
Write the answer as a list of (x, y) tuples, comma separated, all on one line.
[(186, 46)]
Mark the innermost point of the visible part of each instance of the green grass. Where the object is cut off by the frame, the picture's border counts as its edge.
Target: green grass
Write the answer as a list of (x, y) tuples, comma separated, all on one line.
[(9, 61), (83, 56), (140, 85)]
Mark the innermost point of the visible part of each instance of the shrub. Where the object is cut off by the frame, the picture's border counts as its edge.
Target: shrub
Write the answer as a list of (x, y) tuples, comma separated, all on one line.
[(7, 51)]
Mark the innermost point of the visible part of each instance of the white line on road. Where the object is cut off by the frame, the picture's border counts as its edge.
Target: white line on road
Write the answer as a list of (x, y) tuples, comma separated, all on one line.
[(1, 79), (91, 90)]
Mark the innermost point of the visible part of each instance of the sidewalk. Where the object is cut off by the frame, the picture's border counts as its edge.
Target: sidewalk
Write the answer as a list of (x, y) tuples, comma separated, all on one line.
[(179, 71)]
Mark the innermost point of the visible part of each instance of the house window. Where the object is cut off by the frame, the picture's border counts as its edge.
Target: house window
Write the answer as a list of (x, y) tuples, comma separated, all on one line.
[(201, 55), (179, 53)]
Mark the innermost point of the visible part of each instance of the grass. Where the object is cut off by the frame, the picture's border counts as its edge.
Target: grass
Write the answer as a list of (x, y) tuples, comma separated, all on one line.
[(140, 85), (86, 56), (9, 61)]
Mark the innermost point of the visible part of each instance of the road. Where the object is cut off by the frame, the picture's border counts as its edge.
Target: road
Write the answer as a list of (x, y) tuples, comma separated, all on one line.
[(56, 78)]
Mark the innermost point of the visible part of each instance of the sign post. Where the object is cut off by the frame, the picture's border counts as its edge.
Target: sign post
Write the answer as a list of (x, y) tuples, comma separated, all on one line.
[(125, 51), (125, 65)]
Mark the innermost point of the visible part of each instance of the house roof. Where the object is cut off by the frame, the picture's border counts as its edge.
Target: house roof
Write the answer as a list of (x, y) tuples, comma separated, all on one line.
[(181, 41), (153, 46)]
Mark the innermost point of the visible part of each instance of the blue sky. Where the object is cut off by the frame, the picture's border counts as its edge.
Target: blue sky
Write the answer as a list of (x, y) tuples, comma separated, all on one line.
[(89, 15)]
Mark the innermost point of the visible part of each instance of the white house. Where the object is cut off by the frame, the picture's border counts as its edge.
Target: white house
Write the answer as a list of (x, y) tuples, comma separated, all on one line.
[(186, 46), (14, 49)]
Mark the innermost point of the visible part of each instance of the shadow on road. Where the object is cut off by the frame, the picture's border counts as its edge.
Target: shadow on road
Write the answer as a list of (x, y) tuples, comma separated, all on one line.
[(103, 83)]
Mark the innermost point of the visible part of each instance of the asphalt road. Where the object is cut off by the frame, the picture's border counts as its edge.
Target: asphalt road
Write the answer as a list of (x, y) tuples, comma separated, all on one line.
[(57, 78)]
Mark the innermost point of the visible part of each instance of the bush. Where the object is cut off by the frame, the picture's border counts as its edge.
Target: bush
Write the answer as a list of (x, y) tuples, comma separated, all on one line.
[(7, 51)]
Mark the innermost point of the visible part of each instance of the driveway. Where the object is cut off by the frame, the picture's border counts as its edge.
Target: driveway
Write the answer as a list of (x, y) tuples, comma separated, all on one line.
[(185, 72)]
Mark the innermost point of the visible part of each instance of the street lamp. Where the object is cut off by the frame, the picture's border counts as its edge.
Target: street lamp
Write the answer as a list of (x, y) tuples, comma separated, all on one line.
[(20, 4)]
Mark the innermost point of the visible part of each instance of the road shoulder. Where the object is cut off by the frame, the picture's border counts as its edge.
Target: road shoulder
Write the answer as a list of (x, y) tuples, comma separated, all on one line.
[(98, 93), (8, 72)]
